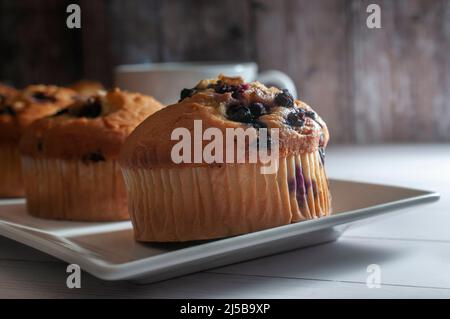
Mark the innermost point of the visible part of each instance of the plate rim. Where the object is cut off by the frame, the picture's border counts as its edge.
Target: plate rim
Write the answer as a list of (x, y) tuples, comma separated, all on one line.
[(134, 269)]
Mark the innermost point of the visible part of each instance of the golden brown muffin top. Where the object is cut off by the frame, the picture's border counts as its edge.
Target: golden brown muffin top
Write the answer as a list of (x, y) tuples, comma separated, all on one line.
[(6, 92), (92, 129), (34, 102), (224, 103), (87, 88)]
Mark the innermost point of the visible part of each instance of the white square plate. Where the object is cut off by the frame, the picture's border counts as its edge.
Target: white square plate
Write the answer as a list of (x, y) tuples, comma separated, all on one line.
[(109, 251)]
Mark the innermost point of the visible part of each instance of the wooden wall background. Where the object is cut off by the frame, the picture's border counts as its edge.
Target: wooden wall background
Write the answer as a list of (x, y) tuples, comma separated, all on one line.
[(371, 85)]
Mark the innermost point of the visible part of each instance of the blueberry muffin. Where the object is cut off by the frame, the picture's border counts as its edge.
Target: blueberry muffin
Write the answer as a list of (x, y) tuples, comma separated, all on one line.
[(87, 88), (69, 159), (171, 200), (17, 111)]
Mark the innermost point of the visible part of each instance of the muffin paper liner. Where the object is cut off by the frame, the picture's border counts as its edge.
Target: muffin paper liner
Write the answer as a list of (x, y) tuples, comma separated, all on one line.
[(74, 190), (11, 184), (196, 203)]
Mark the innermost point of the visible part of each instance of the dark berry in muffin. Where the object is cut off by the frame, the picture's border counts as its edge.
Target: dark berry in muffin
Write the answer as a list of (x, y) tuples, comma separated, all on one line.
[(239, 113), (284, 98), (43, 97), (92, 108), (185, 93)]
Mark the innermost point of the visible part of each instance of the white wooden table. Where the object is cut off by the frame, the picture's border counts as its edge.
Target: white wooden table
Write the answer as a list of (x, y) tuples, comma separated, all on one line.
[(412, 249)]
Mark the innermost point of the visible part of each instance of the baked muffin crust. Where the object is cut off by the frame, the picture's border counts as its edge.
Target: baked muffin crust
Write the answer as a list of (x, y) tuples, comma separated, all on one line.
[(34, 102), (6, 93), (224, 103), (87, 88), (91, 129)]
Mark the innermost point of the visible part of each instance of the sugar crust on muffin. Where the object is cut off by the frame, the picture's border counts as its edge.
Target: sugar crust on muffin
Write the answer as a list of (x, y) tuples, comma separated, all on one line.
[(213, 101), (95, 125)]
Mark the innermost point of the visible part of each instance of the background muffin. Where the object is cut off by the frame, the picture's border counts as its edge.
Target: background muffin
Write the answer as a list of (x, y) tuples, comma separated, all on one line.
[(193, 201), (17, 111), (69, 159)]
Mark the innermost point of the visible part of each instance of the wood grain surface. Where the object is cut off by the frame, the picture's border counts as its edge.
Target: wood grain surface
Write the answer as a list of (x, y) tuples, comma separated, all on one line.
[(371, 85)]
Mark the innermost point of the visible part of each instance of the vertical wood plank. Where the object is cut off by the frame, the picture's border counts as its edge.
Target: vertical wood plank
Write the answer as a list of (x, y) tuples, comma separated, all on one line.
[(203, 30), (399, 85), (9, 45), (119, 32), (96, 41), (421, 56), (309, 41), (371, 70), (444, 111), (39, 48), (135, 30)]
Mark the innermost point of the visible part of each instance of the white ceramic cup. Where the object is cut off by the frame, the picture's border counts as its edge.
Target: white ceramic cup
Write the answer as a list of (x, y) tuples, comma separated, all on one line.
[(164, 81)]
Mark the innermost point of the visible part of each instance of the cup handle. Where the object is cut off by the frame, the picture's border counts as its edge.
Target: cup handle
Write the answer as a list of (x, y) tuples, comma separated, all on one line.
[(279, 79)]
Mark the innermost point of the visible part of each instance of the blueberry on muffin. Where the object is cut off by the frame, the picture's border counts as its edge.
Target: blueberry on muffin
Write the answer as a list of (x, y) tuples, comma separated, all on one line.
[(69, 158), (18, 109), (172, 201)]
